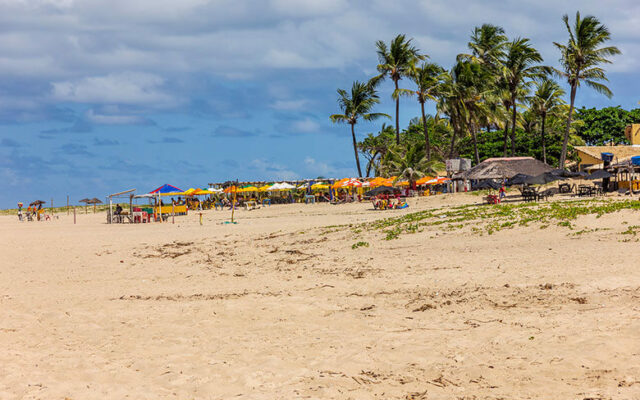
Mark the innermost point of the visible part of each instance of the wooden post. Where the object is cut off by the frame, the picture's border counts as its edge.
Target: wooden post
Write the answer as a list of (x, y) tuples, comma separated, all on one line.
[(52, 206), (67, 204), (233, 205), (173, 213), (74, 215)]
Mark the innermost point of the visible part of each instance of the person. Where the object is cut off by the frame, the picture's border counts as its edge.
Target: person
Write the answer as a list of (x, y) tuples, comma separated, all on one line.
[(19, 211), (502, 192), (118, 210), (38, 212)]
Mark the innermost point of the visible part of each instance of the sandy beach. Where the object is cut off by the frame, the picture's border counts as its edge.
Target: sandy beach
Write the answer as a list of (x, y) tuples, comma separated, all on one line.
[(310, 301)]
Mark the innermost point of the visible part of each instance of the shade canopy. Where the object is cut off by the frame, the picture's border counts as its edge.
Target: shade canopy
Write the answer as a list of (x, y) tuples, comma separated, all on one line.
[(379, 190), (599, 174), (544, 178), (95, 201), (519, 179), (37, 202), (505, 167), (85, 200), (569, 174), (166, 188), (487, 184), (424, 180)]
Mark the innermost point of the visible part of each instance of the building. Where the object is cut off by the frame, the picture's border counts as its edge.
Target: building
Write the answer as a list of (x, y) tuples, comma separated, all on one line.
[(591, 156)]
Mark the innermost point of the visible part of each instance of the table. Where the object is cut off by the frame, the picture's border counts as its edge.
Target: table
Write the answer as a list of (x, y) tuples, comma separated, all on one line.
[(250, 205)]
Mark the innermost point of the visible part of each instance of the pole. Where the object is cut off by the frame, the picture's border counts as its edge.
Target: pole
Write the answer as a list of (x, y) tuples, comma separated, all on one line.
[(67, 204), (233, 205), (173, 213), (52, 206), (74, 215)]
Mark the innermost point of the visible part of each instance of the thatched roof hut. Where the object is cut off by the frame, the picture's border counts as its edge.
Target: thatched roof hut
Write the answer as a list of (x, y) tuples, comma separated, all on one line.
[(505, 167)]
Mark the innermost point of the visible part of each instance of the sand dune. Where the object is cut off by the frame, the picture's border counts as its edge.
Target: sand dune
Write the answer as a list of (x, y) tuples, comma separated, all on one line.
[(285, 304)]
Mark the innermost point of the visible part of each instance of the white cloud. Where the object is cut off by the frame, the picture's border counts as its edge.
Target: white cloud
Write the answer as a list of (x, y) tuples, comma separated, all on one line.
[(306, 125), (120, 88), (115, 119), (289, 105)]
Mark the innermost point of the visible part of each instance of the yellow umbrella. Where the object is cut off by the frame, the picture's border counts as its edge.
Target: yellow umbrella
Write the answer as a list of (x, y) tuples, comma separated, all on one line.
[(249, 189), (320, 186), (264, 188)]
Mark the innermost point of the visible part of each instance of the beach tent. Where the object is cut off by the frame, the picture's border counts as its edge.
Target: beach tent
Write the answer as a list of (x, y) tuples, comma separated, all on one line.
[(351, 183), (282, 186), (166, 188)]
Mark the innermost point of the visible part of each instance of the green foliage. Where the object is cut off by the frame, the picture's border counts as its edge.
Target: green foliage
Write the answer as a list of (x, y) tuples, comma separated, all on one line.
[(605, 125), (359, 244)]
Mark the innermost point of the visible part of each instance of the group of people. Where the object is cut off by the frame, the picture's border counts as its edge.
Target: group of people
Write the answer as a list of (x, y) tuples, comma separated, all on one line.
[(386, 202), (32, 212)]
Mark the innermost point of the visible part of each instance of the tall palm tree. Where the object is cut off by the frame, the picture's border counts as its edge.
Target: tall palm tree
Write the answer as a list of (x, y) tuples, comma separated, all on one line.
[(464, 100), (518, 71), (546, 101), (396, 62), (428, 79), (581, 60), (357, 105), (487, 46)]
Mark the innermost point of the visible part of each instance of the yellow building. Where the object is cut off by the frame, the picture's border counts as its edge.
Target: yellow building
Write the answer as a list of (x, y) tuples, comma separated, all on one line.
[(590, 156)]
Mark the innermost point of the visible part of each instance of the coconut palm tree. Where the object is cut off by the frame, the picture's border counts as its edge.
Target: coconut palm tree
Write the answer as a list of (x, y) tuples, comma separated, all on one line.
[(428, 78), (396, 62), (546, 101), (357, 105), (518, 70), (464, 99), (374, 146), (408, 163), (581, 60), (487, 46)]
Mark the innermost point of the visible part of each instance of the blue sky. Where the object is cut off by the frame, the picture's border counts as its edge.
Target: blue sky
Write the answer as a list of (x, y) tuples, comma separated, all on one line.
[(103, 96)]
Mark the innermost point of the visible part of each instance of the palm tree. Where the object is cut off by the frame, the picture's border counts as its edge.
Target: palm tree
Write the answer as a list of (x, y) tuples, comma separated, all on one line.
[(374, 146), (487, 46), (581, 58), (518, 71), (408, 162), (396, 62), (546, 101), (464, 100), (359, 105), (428, 79)]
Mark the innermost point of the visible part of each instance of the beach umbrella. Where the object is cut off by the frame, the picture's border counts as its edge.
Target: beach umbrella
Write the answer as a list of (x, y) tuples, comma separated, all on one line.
[(95, 201), (569, 174), (424, 180), (379, 190), (487, 184), (37, 202), (351, 183), (599, 174), (543, 178), (518, 179), (86, 203)]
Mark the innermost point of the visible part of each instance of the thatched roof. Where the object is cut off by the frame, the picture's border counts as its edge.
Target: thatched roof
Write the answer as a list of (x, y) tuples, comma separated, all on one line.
[(505, 167)]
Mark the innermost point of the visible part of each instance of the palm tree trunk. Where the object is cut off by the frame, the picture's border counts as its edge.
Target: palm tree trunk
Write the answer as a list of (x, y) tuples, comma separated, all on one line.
[(355, 149), (370, 163), (427, 144), (475, 142), (565, 141), (544, 142), (506, 135), (397, 114), (513, 129)]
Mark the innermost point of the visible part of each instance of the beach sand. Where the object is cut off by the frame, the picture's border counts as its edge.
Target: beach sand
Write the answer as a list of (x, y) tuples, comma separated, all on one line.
[(280, 306)]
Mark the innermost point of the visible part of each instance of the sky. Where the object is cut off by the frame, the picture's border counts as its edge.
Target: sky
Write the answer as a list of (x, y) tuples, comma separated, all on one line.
[(102, 96)]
